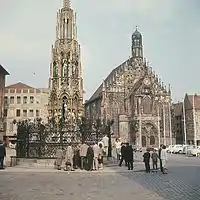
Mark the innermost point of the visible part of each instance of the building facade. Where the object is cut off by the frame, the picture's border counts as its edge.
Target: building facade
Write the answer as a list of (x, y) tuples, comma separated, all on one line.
[(192, 118), (136, 99), (24, 102), (66, 78), (3, 74), (178, 122)]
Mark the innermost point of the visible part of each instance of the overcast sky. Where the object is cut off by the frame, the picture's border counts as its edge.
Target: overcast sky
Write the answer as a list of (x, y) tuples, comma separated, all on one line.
[(170, 29)]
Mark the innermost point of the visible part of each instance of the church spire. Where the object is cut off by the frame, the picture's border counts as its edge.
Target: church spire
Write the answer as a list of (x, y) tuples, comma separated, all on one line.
[(137, 49), (66, 3)]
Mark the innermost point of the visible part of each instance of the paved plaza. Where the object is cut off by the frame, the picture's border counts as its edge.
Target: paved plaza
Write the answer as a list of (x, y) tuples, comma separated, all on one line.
[(114, 183)]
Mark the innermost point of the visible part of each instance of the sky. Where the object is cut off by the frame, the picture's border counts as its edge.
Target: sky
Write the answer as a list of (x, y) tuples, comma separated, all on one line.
[(170, 29)]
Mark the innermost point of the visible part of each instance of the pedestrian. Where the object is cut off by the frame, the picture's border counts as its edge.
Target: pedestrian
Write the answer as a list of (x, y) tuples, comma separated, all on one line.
[(69, 155), (96, 151), (105, 141), (123, 150), (76, 159), (2, 154), (90, 157), (59, 158), (155, 157), (118, 148), (100, 159), (159, 155), (129, 156), (83, 154), (146, 160), (163, 157)]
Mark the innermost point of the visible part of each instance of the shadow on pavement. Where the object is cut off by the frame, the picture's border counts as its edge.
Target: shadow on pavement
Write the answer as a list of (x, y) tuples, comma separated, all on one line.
[(181, 183)]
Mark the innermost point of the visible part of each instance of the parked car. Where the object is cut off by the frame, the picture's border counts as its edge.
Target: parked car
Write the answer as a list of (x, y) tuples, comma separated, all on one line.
[(195, 151), (178, 149), (187, 149), (169, 148)]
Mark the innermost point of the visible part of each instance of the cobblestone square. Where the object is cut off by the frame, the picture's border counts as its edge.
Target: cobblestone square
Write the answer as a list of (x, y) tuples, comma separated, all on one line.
[(114, 183)]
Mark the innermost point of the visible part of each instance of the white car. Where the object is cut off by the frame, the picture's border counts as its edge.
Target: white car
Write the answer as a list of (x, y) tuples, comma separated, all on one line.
[(187, 149), (178, 149), (195, 151), (169, 148)]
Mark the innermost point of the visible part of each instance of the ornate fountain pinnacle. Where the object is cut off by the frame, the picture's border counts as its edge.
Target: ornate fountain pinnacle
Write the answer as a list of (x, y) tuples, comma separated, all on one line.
[(66, 4), (169, 88)]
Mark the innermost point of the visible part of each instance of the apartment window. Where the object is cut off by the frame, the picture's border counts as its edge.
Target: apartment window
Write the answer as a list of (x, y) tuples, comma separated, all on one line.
[(31, 99), (25, 100), (18, 100), (31, 113), (6, 100), (24, 113), (37, 113), (5, 113), (12, 100), (17, 113)]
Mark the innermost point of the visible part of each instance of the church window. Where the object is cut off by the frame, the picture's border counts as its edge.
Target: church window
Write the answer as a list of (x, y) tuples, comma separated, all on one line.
[(137, 42), (134, 52), (137, 52), (147, 105)]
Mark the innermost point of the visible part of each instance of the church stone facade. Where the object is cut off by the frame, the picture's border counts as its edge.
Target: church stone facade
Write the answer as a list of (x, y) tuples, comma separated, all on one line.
[(136, 99), (66, 78)]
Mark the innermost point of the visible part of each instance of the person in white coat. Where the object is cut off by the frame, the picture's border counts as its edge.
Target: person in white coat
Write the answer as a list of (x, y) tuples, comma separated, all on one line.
[(69, 158), (96, 150), (163, 157), (118, 144), (105, 141)]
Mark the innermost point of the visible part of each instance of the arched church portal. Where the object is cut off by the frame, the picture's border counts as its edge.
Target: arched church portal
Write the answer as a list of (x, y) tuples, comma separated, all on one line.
[(150, 133)]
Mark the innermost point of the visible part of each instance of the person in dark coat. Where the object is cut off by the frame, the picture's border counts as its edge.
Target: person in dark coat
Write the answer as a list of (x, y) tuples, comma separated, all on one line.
[(123, 150), (159, 152), (90, 158), (146, 160), (129, 156), (2, 154), (155, 158)]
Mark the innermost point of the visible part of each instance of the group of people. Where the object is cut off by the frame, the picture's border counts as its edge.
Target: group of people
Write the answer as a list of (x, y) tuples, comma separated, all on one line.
[(125, 152), (84, 156), (161, 156)]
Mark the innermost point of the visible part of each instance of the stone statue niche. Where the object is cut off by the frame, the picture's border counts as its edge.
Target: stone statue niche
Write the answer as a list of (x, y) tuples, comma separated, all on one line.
[(64, 68), (55, 69), (64, 107)]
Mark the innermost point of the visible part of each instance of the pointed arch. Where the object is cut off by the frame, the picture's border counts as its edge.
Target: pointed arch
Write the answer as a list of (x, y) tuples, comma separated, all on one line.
[(75, 102), (147, 104)]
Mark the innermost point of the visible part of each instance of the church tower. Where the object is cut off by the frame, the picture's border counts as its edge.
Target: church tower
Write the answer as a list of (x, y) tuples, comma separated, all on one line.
[(66, 78), (137, 48)]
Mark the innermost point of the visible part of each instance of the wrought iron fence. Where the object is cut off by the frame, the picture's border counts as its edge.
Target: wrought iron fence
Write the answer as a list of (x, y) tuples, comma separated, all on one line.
[(41, 140)]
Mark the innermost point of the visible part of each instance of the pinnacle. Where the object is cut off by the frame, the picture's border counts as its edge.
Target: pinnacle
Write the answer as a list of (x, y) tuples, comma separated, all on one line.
[(66, 3)]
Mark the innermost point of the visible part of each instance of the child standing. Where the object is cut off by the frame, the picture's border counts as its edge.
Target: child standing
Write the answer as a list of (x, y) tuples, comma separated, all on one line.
[(146, 160), (154, 157)]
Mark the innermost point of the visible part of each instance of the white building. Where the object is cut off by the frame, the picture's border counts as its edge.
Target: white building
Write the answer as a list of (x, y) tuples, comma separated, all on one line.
[(24, 102)]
